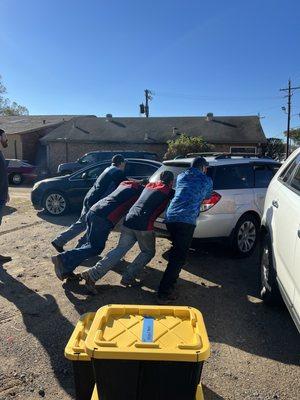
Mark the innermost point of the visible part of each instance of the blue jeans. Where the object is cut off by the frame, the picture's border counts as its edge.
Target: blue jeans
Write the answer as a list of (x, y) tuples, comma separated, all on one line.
[(75, 229), (97, 233), (128, 238), (2, 205)]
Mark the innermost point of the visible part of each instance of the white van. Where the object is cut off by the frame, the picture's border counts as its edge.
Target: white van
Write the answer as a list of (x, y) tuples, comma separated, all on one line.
[(280, 239)]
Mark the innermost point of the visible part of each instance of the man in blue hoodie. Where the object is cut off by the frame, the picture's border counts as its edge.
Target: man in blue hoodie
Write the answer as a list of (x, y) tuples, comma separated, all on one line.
[(192, 187)]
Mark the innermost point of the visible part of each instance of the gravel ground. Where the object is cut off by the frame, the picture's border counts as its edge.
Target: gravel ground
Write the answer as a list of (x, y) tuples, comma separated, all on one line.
[(255, 350)]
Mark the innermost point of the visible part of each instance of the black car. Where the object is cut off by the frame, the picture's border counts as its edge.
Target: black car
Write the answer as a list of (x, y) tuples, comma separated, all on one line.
[(101, 156), (61, 194)]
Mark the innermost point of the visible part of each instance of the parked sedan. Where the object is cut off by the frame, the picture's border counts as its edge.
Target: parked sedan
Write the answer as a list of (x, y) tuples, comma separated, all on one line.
[(20, 171), (61, 194)]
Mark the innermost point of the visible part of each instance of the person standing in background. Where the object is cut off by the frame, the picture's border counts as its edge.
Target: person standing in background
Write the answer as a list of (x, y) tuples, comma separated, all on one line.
[(4, 196)]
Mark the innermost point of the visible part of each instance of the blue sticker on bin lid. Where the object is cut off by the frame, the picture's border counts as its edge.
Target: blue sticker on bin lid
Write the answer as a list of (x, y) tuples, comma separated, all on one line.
[(147, 333)]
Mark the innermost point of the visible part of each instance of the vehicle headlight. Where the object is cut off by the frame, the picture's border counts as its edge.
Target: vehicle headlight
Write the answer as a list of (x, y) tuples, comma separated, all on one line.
[(36, 185)]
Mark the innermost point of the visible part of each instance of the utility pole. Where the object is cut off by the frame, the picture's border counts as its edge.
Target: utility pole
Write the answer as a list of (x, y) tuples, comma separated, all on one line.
[(144, 109), (289, 97)]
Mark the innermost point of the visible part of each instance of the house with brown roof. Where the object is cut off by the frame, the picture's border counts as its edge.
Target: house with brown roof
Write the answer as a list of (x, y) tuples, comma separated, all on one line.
[(25, 131), (80, 135)]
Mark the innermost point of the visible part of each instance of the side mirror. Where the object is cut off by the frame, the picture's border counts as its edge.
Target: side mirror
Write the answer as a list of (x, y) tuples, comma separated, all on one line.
[(84, 176)]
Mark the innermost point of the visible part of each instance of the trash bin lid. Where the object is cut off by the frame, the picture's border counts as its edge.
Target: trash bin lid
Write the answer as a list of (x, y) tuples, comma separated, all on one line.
[(135, 332), (75, 348)]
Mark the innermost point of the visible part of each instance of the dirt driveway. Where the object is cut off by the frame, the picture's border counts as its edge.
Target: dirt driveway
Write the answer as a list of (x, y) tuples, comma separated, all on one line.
[(255, 350)]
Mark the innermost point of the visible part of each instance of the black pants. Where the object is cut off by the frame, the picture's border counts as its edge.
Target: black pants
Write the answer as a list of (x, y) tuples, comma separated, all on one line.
[(181, 236)]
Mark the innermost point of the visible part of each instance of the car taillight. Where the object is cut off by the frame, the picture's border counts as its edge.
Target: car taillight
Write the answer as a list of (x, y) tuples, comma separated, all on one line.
[(209, 203)]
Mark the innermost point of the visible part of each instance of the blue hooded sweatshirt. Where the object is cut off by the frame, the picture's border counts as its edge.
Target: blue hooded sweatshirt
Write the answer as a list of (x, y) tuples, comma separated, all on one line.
[(192, 187)]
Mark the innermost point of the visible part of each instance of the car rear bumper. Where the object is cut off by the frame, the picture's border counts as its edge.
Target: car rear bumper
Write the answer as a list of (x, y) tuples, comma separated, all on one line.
[(209, 226)]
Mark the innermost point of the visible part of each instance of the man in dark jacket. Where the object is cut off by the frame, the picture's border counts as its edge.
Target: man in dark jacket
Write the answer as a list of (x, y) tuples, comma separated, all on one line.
[(101, 219), (106, 183), (137, 227), (192, 187), (4, 196)]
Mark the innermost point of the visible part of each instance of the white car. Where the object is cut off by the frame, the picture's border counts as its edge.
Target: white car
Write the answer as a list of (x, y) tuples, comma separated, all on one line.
[(280, 240), (234, 211)]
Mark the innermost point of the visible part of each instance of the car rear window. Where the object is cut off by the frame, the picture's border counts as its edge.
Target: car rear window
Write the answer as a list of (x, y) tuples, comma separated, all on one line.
[(232, 177)]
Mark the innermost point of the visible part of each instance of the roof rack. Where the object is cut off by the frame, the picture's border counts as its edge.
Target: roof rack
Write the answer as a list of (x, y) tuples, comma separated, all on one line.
[(244, 155), (204, 154)]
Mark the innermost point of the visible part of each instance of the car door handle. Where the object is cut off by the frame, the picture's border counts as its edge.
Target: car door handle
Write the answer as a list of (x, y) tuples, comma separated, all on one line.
[(275, 203)]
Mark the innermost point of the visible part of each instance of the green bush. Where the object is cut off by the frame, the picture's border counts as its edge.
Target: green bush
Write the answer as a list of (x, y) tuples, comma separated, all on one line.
[(184, 145)]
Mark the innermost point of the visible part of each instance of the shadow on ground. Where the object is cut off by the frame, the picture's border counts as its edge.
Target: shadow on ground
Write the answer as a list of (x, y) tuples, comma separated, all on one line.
[(224, 289), (64, 220), (9, 210)]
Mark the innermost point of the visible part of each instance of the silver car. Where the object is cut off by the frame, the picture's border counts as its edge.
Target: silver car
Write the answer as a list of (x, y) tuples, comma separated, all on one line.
[(234, 210)]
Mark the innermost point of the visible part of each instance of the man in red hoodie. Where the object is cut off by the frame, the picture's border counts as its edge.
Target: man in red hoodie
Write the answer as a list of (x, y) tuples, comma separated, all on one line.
[(137, 227)]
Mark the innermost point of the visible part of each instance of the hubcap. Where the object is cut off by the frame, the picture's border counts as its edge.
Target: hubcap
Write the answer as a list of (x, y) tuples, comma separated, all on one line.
[(246, 236), (55, 204), (17, 178)]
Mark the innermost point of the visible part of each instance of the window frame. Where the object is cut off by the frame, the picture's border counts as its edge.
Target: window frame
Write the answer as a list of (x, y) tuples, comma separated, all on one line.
[(287, 183)]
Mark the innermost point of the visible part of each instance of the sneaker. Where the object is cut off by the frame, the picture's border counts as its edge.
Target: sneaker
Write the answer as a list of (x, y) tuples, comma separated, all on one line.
[(4, 259), (89, 283), (127, 281), (71, 277), (58, 248), (58, 267), (163, 299)]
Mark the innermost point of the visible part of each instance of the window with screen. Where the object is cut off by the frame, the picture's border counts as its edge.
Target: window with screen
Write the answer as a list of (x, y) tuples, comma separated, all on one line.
[(243, 150), (233, 177)]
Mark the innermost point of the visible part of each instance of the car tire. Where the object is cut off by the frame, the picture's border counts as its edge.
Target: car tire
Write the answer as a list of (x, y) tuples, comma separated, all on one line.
[(55, 203), (269, 292), (16, 179), (245, 235)]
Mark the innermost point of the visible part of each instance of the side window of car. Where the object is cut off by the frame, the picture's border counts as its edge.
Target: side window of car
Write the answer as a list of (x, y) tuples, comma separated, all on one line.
[(234, 177), (93, 173), (263, 175), (295, 181), (287, 172), (89, 158), (139, 170)]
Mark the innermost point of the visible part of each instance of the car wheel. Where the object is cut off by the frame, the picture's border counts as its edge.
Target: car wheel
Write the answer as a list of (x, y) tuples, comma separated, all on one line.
[(16, 179), (270, 293), (55, 203), (245, 235)]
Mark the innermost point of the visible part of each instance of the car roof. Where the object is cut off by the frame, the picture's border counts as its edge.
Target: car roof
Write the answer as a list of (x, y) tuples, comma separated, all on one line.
[(141, 160), (214, 161)]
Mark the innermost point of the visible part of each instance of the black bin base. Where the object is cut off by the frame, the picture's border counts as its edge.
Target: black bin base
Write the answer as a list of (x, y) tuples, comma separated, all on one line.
[(83, 379), (146, 380)]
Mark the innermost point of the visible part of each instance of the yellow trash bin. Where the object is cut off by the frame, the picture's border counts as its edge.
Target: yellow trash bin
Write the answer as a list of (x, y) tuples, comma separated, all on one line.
[(147, 352), (82, 367)]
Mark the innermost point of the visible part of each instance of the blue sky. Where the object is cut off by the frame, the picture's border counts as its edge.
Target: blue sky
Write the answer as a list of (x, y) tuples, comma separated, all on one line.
[(97, 57)]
